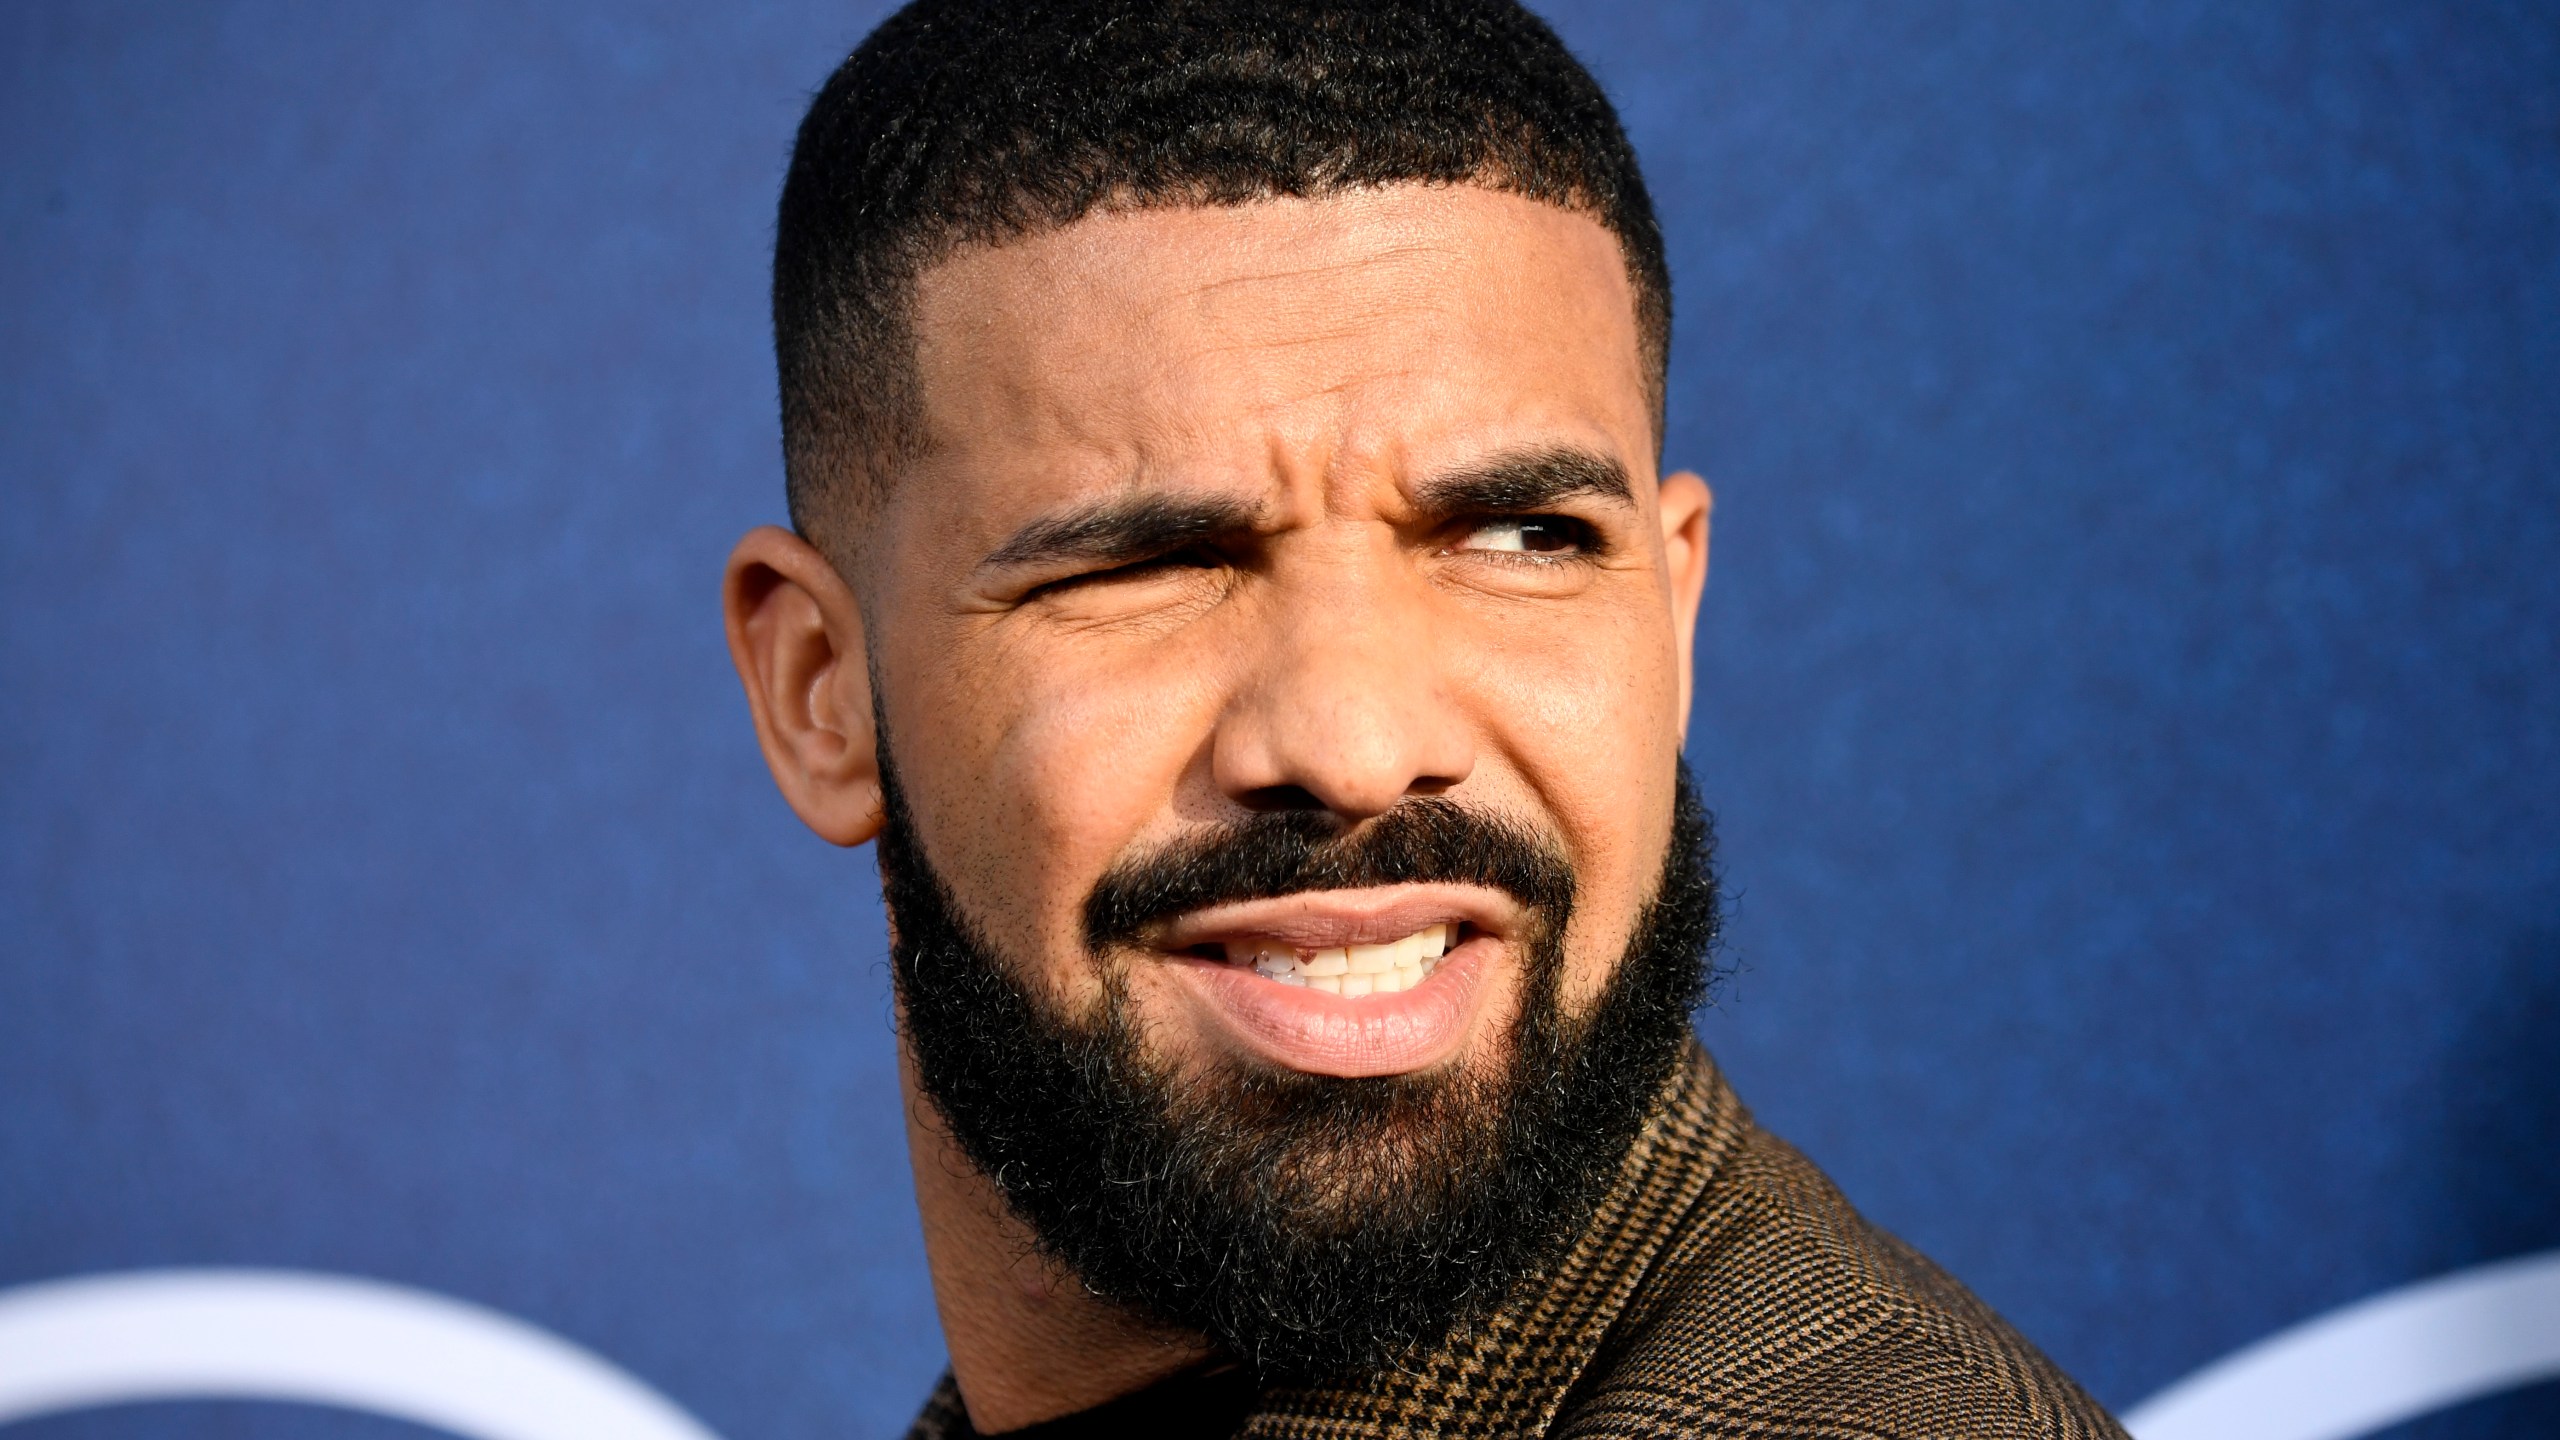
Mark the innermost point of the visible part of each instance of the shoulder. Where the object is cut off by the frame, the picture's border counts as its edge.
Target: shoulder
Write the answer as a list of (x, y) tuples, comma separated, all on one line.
[(1775, 1309)]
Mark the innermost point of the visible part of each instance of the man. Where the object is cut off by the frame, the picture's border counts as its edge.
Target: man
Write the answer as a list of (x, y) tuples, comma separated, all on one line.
[(1233, 583)]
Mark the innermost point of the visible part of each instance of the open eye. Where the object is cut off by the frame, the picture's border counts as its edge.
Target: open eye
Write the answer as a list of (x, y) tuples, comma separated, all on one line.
[(1539, 535)]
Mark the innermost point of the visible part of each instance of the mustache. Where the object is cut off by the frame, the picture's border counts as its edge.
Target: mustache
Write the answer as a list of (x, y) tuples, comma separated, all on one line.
[(1422, 841)]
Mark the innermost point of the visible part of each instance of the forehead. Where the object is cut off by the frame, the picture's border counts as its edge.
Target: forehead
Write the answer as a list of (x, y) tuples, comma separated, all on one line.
[(1314, 346)]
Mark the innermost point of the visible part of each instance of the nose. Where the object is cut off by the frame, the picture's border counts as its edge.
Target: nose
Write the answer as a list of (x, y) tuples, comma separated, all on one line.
[(1348, 709)]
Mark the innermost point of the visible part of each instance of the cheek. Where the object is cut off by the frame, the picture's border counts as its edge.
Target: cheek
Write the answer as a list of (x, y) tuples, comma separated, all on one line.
[(1588, 716), (1048, 763), (1586, 709)]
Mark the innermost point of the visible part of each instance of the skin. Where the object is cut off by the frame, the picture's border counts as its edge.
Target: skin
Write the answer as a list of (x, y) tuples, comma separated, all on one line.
[(1328, 374)]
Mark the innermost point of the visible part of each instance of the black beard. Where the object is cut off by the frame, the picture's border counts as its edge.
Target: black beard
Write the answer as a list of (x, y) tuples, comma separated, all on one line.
[(1308, 1225)]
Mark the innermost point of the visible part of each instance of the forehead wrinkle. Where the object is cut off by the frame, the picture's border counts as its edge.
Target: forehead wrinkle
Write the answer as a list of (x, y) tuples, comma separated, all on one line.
[(1355, 328), (1396, 255), (1308, 325)]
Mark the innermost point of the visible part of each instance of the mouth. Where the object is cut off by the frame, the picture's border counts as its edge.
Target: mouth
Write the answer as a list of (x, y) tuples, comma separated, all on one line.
[(1344, 982)]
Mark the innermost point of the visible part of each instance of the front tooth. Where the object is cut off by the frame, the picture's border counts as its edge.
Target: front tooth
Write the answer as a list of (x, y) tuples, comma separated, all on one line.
[(1329, 984), (1326, 962), (1356, 984), (1373, 959), (1435, 941)]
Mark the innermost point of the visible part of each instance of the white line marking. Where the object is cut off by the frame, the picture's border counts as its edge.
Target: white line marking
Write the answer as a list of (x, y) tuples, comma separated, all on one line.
[(317, 1339), (2402, 1354)]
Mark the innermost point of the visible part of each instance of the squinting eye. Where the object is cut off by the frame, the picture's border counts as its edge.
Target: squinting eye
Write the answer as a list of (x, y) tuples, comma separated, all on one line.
[(1195, 557), (1531, 535)]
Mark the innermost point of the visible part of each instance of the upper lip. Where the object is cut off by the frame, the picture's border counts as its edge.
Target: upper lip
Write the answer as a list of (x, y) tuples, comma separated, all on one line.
[(1323, 919)]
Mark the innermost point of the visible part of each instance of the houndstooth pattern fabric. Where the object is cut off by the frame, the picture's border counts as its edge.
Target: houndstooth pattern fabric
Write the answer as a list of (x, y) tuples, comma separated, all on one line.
[(1724, 1288)]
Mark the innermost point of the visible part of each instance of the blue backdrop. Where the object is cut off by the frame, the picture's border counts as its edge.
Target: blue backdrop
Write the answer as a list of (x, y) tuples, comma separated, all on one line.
[(2129, 681)]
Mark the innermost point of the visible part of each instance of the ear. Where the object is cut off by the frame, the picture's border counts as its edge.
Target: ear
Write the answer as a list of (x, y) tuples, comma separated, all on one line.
[(1687, 507), (795, 631)]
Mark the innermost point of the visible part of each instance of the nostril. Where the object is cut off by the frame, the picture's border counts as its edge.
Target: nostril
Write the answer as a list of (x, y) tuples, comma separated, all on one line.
[(1279, 799)]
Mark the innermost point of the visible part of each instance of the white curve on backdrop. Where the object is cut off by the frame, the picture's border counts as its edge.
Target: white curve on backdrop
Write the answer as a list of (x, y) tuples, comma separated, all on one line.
[(2399, 1355), (318, 1339), (411, 1355)]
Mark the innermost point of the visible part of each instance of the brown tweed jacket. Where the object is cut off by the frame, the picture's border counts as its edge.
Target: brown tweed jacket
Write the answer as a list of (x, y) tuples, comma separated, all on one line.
[(1724, 1288)]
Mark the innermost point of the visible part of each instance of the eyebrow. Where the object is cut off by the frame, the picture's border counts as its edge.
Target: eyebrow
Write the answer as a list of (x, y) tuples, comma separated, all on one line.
[(1123, 531), (1521, 480), (1139, 527)]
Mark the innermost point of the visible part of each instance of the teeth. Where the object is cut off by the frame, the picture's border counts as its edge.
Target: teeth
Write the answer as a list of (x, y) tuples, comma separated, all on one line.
[(1352, 970)]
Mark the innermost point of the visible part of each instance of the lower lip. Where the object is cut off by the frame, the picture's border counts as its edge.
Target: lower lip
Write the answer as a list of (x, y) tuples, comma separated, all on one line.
[(1305, 1029)]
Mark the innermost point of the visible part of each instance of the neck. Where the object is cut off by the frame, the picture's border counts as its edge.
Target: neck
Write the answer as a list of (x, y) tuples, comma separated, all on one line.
[(1028, 1341)]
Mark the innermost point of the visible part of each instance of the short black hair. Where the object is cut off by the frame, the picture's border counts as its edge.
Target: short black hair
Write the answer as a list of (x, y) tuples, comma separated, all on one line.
[(981, 121)]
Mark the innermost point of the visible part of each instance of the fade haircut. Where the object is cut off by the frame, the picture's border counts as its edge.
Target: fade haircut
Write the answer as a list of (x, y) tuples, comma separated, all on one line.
[(982, 121)]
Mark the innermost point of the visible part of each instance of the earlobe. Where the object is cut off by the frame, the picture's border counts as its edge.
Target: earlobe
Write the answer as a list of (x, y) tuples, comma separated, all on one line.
[(1688, 506), (796, 635)]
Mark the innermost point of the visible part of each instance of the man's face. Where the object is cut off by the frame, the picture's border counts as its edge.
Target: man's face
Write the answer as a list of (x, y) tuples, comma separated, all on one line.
[(1282, 642), (1299, 506)]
